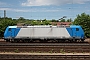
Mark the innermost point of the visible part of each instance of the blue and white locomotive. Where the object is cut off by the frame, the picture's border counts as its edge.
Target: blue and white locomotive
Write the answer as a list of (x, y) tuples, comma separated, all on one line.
[(32, 33)]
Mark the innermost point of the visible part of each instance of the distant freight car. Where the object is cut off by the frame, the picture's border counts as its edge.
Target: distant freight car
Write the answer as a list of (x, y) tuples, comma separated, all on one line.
[(44, 33)]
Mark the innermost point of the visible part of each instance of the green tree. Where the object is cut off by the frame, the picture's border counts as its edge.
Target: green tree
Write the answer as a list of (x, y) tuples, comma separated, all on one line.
[(46, 22), (69, 20), (4, 23), (84, 21), (62, 20), (53, 20), (21, 20)]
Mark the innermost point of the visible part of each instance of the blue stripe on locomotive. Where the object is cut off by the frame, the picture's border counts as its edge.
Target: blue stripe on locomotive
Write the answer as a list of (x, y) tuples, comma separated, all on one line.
[(76, 31), (11, 32)]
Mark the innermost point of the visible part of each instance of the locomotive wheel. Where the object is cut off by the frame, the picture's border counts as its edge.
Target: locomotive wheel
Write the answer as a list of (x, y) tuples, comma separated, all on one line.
[(26, 41), (75, 40), (8, 40), (16, 41), (82, 40)]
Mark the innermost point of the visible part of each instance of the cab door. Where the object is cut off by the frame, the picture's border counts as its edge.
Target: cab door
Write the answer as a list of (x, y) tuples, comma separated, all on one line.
[(12, 32), (75, 32)]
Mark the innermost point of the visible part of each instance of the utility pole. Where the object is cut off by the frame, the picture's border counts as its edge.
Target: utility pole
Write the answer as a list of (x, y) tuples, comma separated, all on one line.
[(4, 14)]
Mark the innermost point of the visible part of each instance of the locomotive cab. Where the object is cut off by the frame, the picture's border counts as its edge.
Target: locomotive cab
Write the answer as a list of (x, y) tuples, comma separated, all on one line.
[(9, 33), (77, 33)]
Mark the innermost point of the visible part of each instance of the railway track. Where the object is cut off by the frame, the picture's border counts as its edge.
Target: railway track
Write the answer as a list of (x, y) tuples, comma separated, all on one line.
[(44, 44), (44, 57), (61, 48), (46, 47)]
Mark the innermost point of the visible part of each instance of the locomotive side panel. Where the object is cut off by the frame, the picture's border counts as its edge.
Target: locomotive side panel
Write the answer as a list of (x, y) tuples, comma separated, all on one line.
[(43, 33)]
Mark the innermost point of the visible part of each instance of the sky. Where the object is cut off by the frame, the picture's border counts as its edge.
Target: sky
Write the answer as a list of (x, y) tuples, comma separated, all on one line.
[(44, 9)]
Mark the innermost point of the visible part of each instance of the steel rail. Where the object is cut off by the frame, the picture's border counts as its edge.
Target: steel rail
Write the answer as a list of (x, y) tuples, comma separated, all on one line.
[(45, 49), (44, 57), (44, 44)]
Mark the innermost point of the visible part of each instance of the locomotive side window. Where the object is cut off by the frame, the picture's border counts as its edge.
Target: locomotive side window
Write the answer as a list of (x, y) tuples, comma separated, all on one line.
[(77, 29), (9, 29)]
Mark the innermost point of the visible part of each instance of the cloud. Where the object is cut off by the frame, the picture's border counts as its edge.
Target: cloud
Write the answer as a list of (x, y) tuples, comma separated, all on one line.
[(87, 10), (20, 10), (1, 3), (32, 10), (5, 9), (52, 2), (15, 10)]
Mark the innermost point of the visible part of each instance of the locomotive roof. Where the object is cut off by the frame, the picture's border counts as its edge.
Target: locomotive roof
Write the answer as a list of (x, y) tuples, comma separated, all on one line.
[(47, 26)]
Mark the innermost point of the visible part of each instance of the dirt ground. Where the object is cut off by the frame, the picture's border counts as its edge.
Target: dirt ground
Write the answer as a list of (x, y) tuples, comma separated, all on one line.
[(1, 39), (10, 53), (87, 40)]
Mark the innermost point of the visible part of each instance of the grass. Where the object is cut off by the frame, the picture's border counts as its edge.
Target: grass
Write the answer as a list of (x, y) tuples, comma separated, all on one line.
[(62, 51), (16, 51)]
